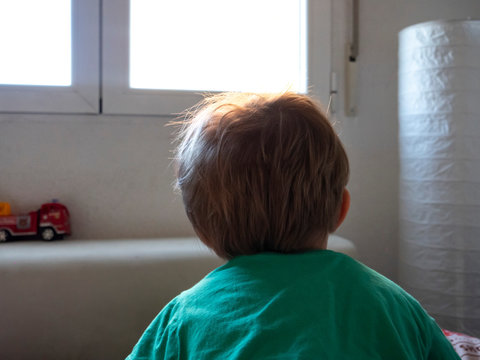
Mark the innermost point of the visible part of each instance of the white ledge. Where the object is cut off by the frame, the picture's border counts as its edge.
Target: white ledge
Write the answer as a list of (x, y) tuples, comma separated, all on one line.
[(88, 251), (38, 252)]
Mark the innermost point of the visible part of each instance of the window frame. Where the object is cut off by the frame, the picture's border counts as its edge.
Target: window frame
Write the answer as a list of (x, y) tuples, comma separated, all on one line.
[(119, 98), (83, 95), (100, 79)]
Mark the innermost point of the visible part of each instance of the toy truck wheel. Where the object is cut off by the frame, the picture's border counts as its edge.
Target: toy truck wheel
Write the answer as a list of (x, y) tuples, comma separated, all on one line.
[(4, 235), (47, 234)]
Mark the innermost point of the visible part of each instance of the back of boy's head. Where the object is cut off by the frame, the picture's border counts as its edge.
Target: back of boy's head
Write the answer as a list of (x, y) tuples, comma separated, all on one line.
[(260, 173)]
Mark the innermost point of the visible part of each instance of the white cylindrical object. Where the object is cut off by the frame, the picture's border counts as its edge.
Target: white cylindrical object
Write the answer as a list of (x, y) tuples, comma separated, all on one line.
[(439, 148)]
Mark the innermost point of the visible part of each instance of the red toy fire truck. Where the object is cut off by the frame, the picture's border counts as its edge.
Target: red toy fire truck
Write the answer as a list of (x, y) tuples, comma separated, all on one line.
[(51, 221)]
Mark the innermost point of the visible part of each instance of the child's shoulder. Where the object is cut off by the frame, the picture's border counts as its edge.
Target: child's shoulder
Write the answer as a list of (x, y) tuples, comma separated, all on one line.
[(366, 283)]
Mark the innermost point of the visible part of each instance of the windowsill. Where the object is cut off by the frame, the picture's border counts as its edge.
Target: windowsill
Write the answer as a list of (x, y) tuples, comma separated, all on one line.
[(38, 252)]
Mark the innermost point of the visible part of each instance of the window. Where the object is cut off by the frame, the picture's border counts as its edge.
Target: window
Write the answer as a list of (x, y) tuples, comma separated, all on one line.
[(40, 57), (50, 56), (156, 56), (218, 45)]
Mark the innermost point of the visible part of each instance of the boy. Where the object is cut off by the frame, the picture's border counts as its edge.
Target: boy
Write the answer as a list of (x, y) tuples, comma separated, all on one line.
[(263, 183)]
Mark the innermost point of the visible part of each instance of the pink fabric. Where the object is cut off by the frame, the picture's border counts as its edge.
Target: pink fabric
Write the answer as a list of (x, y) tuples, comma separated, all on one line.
[(467, 347)]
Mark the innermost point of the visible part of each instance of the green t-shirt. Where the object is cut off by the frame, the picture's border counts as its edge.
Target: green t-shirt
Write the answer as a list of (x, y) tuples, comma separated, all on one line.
[(313, 305)]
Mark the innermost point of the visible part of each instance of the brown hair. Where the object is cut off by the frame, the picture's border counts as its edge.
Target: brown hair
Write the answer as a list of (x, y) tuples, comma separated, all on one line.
[(260, 172)]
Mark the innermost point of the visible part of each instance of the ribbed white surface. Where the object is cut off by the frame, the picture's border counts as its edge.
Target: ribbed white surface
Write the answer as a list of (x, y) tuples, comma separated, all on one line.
[(439, 140)]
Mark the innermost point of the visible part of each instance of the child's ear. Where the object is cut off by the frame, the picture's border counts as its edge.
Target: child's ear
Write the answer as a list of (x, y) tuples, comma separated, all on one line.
[(344, 208)]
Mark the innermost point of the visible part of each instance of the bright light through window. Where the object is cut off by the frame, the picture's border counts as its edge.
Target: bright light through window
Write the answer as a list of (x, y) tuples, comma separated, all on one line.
[(218, 45), (35, 42)]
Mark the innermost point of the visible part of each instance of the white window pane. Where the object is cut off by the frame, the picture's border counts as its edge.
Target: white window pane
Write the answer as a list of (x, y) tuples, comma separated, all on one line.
[(35, 42), (218, 45)]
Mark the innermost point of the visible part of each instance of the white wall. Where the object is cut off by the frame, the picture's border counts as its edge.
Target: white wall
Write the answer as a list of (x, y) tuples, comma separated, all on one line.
[(113, 172)]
